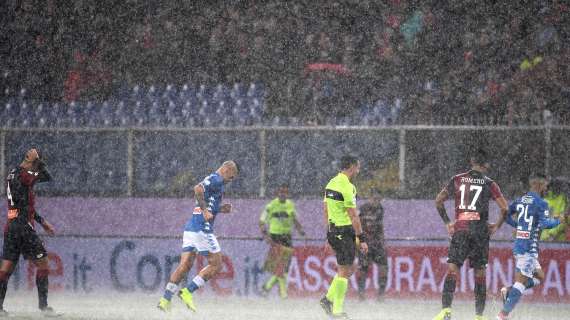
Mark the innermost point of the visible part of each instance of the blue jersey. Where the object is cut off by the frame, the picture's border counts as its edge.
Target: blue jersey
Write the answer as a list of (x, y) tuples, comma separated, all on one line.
[(531, 216), (213, 189)]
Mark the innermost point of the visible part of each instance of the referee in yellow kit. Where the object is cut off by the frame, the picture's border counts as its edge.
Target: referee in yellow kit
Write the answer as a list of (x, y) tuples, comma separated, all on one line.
[(344, 233)]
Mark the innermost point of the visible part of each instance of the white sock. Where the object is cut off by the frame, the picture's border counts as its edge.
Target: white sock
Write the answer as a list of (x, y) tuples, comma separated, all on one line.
[(172, 287), (199, 281)]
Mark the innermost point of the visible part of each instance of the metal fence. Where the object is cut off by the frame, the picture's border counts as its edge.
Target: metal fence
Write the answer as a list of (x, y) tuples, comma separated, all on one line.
[(404, 161)]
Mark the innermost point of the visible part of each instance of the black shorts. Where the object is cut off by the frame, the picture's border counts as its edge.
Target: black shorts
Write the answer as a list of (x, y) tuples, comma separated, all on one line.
[(22, 239), (375, 255), (343, 242), (466, 245), (282, 239)]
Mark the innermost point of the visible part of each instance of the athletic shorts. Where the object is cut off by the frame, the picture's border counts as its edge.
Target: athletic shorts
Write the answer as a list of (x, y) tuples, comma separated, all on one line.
[(22, 239), (466, 245), (282, 239), (200, 242), (342, 240), (526, 264), (375, 255)]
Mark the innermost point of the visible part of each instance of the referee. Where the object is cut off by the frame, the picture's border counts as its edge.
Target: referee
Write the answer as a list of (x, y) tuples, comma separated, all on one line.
[(344, 232)]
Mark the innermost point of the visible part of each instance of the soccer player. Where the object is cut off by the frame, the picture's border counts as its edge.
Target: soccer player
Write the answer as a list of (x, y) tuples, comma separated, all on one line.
[(199, 236), (531, 215), (470, 231), (20, 237), (280, 215), (343, 234), (372, 219)]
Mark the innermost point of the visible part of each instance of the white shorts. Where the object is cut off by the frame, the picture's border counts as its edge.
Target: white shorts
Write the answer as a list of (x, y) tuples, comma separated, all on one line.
[(200, 242), (527, 264)]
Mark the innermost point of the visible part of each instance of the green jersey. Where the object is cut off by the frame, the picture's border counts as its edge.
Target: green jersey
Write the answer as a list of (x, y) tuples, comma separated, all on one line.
[(279, 215), (340, 194)]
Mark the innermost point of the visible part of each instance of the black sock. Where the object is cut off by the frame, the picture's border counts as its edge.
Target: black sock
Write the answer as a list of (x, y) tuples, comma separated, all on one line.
[(42, 283), (382, 280), (3, 287), (448, 291), (480, 294), (361, 279)]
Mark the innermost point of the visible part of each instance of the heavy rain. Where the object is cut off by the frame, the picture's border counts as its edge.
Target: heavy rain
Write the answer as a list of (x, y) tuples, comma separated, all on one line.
[(358, 158)]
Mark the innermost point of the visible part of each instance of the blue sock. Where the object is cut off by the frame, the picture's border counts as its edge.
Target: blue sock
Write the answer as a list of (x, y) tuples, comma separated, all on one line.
[(170, 291), (532, 283), (513, 297), (196, 284)]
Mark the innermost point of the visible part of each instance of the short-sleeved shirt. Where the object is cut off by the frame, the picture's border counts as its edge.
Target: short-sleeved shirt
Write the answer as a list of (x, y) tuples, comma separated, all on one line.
[(20, 192), (280, 216), (531, 216), (340, 194), (472, 192), (213, 190)]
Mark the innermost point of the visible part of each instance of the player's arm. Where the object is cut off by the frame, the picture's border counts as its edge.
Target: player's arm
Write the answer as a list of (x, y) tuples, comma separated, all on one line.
[(509, 219), (503, 207), (43, 173), (357, 226), (49, 229), (440, 199), (298, 227), (263, 223), (199, 195), (544, 221)]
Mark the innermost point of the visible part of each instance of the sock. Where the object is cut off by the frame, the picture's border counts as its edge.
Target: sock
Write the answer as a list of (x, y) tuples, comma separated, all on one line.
[(171, 289), (382, 280), (361, 279), (270, 283), (332, 290), (282, 286), (196, 283), (448, 290), (532, 283), (42, 283), (513, 298), (3, 287), (340, 293), (480, 294)]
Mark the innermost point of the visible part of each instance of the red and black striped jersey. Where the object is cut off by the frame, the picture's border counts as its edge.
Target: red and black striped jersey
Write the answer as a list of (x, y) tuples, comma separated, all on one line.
[(472, 192)]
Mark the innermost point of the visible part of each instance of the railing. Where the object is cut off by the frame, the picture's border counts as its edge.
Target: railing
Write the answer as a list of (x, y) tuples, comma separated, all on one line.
[(404, 161)]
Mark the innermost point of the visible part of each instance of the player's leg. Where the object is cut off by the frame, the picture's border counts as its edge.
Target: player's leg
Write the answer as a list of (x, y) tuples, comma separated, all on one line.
[(285, 260), (525, 269), (6, 268), (479, 257), (362, 273), (457, 253), (344, 245), (206, 244), (537, 276), (34, 250), (382, 261), (42, 282), (11, 250), (345, 260), (186, 262), (480, 290), (514, 295)]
